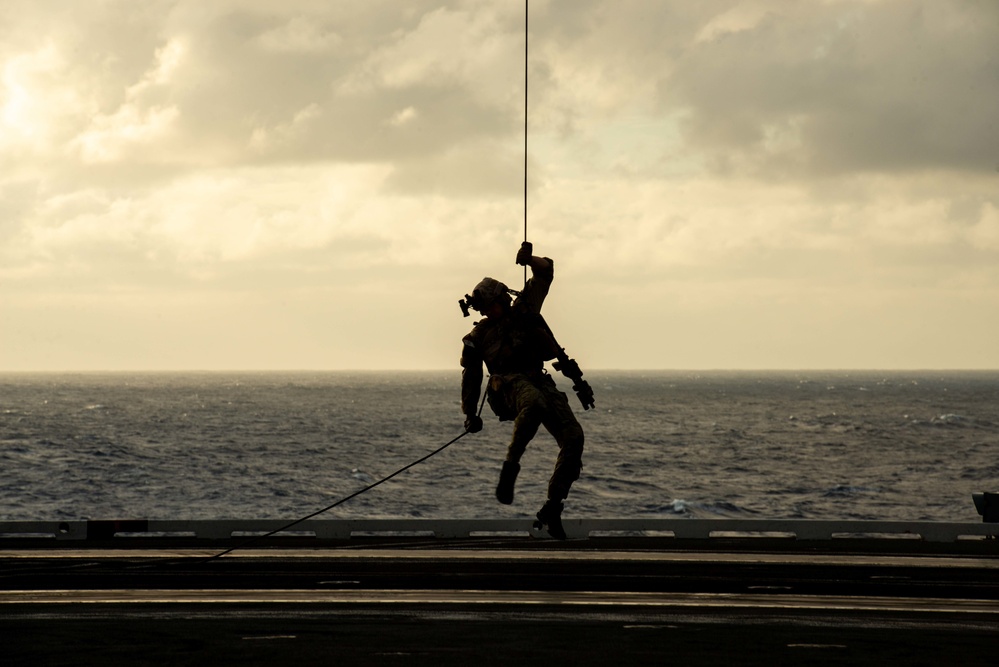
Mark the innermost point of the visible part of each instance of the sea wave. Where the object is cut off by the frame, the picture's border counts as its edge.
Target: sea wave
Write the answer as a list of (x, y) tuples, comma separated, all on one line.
[(775, 445)]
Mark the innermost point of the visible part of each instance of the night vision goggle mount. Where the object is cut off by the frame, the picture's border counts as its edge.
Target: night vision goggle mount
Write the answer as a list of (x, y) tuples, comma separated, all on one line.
[(475, 300), (468, 302)]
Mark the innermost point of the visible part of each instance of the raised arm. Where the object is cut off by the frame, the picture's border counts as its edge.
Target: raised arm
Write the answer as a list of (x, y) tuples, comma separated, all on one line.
[(542, 275)]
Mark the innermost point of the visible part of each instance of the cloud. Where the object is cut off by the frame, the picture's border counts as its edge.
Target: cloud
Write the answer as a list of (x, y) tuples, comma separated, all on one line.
[(474, 45), (34, 103), (137, 125), (843, 87), (299, 35), (296, 130), (705, 168)]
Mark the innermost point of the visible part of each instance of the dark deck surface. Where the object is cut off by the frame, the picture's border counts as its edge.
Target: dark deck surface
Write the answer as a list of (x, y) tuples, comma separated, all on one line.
[(502, 601)]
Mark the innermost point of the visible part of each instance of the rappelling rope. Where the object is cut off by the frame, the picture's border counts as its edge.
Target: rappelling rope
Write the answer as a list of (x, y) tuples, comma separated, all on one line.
[(526, 42), (254, 540)]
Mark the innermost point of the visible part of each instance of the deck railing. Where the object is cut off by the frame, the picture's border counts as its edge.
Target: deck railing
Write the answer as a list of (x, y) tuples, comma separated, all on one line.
[(345, 529)]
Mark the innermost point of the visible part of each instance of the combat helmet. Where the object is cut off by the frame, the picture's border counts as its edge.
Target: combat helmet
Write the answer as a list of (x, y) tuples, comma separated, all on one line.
[(487, 292)]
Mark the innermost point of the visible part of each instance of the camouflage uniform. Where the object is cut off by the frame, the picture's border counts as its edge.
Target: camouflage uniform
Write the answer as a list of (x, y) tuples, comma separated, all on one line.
[(514, 349)]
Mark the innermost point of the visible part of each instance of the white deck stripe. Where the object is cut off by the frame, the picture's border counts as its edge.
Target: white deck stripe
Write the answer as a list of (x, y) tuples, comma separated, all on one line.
[(569, 598)]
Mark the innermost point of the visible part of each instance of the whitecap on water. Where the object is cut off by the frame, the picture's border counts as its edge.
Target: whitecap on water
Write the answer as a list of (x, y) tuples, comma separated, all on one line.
[(951, 420)]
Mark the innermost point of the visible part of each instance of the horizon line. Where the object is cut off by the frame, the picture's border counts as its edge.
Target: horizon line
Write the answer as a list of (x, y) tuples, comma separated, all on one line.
[(457, 369)]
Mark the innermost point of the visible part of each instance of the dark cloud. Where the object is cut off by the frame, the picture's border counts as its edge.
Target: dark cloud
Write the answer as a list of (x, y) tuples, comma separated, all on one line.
[(302, 105), (843, 87), (359, 127)]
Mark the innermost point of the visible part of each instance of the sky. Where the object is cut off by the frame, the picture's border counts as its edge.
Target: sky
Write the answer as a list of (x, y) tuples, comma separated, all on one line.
[(312, 185)]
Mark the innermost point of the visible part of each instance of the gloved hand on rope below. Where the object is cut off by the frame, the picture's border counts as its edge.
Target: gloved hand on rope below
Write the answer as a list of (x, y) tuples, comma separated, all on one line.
[(473, 423), (525, 253)]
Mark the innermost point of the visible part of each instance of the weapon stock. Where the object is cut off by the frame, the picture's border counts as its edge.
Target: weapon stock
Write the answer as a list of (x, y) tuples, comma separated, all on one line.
[(569, 368)]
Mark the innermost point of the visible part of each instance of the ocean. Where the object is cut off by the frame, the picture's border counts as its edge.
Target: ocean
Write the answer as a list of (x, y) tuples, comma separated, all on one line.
[(803, 445)]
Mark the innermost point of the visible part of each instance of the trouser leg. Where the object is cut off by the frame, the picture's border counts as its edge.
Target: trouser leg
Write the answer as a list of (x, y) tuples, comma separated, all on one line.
[(545, 405), (531, 410), (567, 467), (530, 405), (562, 424)]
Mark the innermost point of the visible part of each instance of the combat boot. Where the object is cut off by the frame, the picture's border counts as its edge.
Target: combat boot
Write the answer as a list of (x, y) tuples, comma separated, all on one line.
[(550, 518), (508, 477)]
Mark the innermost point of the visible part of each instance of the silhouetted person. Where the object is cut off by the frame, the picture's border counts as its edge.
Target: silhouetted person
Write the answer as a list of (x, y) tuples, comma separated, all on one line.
[(514, 342)]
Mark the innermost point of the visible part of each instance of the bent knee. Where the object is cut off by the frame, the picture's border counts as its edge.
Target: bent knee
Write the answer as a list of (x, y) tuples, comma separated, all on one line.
[(570, 456), (572, 442)]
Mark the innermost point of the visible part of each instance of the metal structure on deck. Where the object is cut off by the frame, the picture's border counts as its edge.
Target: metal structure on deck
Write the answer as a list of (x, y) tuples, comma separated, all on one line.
[(346, 529)]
